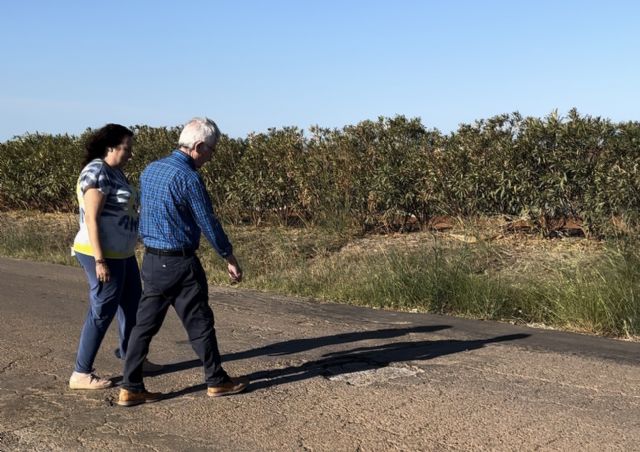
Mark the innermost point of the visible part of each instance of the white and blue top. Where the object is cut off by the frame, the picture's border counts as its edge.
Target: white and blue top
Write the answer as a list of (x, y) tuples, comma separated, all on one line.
[(118, 222)]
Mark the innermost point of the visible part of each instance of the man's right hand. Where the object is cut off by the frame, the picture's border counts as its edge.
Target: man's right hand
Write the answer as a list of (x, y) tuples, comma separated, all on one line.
[(234, 270)]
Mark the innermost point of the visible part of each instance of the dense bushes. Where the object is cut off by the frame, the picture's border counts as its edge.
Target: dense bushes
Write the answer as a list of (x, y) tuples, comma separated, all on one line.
[(380, 173)]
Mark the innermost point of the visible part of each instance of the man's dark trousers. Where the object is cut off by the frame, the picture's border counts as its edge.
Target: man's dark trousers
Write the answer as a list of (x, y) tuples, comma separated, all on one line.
[(177, 281)]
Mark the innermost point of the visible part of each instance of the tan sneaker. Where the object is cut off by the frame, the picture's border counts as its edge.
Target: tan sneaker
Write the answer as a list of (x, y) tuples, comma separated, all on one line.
[(81, 380), (131, 398), (233, 386)]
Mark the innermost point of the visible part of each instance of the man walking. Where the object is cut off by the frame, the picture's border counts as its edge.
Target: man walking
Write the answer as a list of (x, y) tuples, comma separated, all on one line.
[(176, 208)]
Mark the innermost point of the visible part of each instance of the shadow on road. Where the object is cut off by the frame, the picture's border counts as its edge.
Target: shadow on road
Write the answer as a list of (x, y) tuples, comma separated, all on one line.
[(369, 358), (302, 345), (343, 362)]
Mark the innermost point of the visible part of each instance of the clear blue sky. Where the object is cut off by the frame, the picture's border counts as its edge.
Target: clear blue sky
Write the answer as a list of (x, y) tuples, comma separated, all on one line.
[(251, 65)]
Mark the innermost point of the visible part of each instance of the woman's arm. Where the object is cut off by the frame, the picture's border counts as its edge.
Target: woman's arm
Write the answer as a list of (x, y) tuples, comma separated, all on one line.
[(93, 203)]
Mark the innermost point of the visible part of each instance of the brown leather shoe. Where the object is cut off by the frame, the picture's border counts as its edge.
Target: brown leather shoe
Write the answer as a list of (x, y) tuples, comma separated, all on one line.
[(233, 386), (131, 398)]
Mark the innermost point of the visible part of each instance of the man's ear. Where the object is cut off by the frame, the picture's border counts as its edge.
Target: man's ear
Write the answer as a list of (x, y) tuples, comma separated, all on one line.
[(198, 146)]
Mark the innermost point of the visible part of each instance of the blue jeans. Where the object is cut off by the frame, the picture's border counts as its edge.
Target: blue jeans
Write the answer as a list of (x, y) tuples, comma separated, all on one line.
[(120, 296)]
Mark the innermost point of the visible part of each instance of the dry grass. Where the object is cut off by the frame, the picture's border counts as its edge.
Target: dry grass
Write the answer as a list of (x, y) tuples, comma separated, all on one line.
[(473, 269)]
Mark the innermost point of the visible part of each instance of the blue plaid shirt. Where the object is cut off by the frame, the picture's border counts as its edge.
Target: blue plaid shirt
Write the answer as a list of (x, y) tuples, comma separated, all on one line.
[(176, 207)]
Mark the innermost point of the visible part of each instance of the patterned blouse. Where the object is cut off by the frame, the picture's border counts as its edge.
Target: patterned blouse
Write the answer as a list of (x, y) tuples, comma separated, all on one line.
[(118, 222)]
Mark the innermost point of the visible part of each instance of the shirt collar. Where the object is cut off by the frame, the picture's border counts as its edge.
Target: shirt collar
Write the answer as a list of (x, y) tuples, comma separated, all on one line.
[(182, 157)]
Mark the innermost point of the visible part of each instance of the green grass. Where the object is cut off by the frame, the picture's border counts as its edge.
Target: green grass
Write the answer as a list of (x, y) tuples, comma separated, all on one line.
[(604, 299), (593, 292), (579, 295)]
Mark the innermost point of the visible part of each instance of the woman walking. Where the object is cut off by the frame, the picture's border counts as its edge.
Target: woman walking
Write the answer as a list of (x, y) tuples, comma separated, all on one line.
[(104, 246)]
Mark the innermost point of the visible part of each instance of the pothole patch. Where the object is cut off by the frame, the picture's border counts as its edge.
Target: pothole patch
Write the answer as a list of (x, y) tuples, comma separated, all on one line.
[(352, 373)]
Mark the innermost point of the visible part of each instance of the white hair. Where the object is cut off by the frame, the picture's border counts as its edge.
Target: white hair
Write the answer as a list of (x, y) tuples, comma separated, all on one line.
[(199, 129)]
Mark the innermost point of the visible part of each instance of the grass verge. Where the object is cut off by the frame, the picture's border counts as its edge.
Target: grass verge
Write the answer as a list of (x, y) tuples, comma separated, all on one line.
[(575, 285)]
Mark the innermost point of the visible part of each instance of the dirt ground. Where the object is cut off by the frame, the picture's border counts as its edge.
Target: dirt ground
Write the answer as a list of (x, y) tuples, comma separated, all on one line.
[(324, 377)]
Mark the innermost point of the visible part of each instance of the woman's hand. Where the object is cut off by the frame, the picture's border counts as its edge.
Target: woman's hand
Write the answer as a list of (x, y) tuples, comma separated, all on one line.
[(102, 271)]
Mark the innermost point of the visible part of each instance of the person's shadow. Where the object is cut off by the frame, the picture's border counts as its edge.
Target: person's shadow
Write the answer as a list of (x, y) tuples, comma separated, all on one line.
[(343, 362), (300, 345), (368, 358)]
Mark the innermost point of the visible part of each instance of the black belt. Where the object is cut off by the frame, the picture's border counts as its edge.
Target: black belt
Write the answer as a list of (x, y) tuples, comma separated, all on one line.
[(186, 252)]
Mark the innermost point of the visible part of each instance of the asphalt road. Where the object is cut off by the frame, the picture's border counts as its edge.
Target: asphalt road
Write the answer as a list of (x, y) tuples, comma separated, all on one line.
[(325, 377)]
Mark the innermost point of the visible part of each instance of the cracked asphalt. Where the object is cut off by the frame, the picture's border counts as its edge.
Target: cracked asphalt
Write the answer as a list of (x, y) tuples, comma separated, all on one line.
[(325, 377)]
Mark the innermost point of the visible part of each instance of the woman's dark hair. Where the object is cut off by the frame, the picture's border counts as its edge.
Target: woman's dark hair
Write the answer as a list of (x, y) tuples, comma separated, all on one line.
[(108, 136)]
